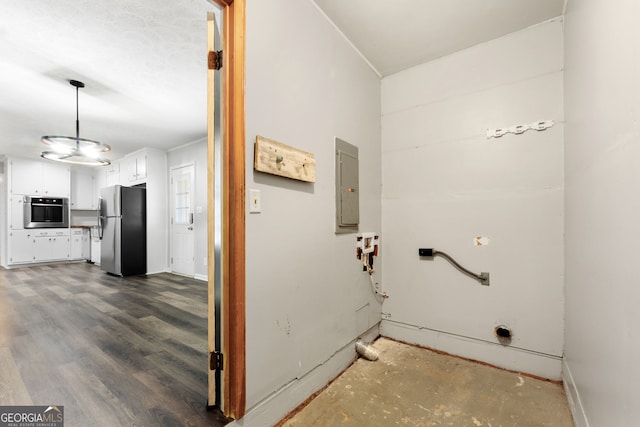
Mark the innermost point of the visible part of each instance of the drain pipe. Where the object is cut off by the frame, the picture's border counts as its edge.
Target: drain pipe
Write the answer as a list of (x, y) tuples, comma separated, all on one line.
[(366, 350)]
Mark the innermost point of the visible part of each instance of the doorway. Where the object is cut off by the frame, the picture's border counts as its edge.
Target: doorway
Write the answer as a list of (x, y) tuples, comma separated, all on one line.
[(231, 316), (182, 224)]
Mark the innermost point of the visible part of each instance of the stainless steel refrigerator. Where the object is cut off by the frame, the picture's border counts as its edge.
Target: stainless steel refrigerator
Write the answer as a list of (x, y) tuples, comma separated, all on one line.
[(123, 230)]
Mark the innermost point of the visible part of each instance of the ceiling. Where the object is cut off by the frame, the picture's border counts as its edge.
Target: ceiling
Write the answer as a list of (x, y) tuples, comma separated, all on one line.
[(143, 62), (396, 35)]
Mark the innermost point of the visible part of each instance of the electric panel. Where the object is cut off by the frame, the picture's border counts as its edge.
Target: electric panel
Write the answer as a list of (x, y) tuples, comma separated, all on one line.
[(347, 188)]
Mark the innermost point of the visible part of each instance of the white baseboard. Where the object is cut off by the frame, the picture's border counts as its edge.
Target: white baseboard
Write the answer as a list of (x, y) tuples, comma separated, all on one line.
[(276, 406), (166, 270), (203, 277), (579, 416), (506, 357)]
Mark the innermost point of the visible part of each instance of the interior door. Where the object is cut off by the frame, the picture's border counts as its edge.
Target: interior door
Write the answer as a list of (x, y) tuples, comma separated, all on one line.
[(182, 221)]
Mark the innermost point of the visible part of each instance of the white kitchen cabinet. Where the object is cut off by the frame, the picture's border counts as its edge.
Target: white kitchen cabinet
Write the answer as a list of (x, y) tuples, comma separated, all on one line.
[(20, 246), (51, 245), (55, 180), (37, 178), (16, 213), (83, 190), (79, 244), (136, 168), (101, 178), (75, 243), (113, 174), (95, 248), (38, 245), (86, 244), (26, 177)]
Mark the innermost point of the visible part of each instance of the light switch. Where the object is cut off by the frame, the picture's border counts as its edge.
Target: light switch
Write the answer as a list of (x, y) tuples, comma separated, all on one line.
[(254, 201)]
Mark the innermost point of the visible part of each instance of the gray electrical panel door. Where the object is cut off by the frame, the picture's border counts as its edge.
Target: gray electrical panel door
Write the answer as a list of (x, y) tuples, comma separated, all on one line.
[(347, 188)]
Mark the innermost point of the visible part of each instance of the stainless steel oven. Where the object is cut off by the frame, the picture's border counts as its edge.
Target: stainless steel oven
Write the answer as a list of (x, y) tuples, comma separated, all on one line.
[(46, 212)]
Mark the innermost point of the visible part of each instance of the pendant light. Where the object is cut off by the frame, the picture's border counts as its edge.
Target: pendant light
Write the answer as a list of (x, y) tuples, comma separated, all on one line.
[(75, 150)]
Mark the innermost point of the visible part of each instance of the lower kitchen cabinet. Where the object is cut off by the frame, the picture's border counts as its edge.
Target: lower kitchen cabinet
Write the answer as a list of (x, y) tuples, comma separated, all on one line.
[(20, 246), (51, 248), (79, 245), (38, 245), (95, 249)]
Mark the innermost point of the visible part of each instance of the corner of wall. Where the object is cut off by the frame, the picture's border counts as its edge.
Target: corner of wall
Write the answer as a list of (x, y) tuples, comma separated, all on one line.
[(282, 402), (577, 410), (510, 358)]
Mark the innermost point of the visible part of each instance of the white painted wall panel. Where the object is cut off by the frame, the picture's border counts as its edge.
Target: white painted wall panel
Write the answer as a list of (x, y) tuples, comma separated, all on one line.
[(445, 183), (602, 95), (469, 115), (524, 54), (157, 211), (305, 290)]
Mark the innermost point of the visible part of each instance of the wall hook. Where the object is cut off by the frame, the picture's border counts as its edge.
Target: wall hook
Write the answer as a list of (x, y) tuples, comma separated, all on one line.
[(520, 129)]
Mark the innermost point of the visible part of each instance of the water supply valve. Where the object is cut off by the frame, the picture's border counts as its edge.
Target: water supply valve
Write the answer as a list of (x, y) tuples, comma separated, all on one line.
[(367, 245)]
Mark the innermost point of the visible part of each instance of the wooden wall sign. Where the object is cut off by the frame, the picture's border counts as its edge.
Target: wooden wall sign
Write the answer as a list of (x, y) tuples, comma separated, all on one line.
[(279, 159)]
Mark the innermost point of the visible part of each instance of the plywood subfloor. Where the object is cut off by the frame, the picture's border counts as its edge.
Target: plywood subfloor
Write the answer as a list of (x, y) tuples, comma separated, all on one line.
[(411, 386)]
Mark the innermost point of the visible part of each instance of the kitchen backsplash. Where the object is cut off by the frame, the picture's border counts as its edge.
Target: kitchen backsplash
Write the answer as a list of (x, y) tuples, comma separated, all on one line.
[(88, 218)]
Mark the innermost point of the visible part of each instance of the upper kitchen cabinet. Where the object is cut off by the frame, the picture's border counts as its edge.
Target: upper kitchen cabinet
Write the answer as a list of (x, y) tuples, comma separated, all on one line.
[(112, 174), (16, 212), (135, 168), (83, 190), (35, 178)]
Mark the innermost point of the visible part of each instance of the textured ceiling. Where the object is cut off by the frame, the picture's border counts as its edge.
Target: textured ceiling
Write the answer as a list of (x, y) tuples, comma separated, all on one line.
[(395, 35), (143, 63)]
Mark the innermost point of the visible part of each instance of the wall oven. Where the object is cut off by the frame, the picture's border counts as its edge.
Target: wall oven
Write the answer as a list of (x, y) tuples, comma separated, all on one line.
[(46, 212)]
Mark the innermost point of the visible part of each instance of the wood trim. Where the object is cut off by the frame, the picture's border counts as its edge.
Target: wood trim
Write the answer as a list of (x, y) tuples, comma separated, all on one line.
[(223, 3), (233, 282)]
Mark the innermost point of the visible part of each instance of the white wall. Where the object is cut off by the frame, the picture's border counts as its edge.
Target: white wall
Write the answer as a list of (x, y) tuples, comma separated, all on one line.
[(445, 183), (157, 211), (307, 297), (4, 203), (195, 154), (602, 93)]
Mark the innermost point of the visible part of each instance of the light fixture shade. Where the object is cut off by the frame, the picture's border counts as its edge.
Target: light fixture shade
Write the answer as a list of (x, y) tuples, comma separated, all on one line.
[(75, 150), (74, 158)]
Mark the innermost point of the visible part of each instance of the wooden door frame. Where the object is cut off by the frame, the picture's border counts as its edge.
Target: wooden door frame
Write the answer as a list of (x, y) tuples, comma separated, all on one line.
[(233, 209)]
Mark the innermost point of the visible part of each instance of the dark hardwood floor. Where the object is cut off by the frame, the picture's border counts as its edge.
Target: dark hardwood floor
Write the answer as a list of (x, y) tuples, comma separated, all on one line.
[(114, 351)]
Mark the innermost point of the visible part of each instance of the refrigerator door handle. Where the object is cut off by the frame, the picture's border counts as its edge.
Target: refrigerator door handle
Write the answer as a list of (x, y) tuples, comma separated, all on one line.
[(100, 217), (191, 218)]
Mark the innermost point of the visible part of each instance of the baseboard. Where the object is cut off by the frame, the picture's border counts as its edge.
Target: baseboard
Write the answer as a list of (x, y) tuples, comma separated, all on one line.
[(570, 389), (166, 270), (202, 277), (279, 404), (505, 357)]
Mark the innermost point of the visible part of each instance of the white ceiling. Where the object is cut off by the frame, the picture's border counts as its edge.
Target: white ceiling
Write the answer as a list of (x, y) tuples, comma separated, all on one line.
[(395, 35), (144, 62)]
